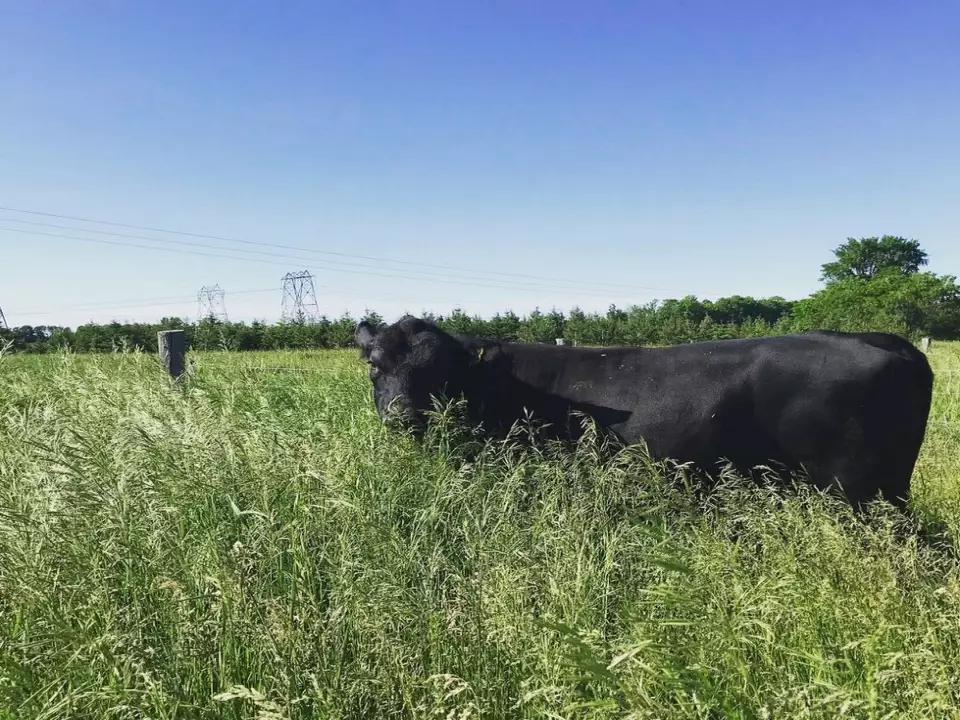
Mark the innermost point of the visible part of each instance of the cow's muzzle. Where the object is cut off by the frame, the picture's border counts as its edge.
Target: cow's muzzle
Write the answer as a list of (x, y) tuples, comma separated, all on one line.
[(401, 415)]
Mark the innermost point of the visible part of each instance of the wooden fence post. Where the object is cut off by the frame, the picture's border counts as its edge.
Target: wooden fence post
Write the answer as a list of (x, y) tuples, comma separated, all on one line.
[(925, 344), (172, 346)]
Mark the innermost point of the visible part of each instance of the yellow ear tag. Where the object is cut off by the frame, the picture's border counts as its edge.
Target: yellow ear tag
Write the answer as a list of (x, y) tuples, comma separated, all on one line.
[(480, 352)]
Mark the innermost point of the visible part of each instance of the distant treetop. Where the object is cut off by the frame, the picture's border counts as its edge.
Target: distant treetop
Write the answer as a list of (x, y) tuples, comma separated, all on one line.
[(864, 258)]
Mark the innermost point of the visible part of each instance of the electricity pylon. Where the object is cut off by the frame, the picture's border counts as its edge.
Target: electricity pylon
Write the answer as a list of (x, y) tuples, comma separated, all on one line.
[(299, 298), (211, 303)]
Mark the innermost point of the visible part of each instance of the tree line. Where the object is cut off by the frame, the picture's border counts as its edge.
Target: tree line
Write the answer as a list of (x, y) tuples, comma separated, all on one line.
[(874, 284)]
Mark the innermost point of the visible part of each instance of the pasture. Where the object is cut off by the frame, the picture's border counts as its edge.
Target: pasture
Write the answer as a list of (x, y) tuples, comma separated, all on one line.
[(255, 545)]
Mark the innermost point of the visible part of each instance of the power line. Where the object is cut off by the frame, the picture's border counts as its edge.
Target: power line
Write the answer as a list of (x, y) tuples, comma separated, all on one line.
[(187, 300), (141, 302), (323, 252), (168, 300), (334, 263), (471, 281)]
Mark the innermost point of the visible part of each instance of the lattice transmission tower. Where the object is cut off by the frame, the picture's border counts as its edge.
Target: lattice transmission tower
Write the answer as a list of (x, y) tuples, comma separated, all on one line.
[(3, 321), (211, 303), (299, 298)]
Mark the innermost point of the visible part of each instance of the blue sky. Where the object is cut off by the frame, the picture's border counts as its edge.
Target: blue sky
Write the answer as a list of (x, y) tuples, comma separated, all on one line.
[(645, 150)]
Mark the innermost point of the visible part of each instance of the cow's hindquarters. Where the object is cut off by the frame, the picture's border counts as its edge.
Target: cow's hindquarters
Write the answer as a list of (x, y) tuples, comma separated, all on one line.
[(862, 429)]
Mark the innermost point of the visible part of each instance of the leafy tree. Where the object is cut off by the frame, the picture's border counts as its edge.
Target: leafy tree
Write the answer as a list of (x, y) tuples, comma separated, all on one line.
[(865, 258), (578, 327), (910, 305), (738, 309), (341, 331), (537, 327), (641, 326), (460, 323), (373, 317), (504, 327)]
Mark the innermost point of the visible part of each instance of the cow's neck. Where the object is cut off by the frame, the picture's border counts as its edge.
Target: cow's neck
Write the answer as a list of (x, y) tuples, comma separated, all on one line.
[(507, 381)]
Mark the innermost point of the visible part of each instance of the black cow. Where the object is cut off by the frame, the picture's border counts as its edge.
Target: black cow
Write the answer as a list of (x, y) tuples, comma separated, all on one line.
[(848, 408)]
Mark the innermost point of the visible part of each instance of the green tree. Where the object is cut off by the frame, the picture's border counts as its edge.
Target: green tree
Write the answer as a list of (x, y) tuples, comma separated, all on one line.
[(460, 323), (374, 318), (579, 327), (910, 305), (865, 258), (738, 309), (341, 331), (537, 327), (504, 326)]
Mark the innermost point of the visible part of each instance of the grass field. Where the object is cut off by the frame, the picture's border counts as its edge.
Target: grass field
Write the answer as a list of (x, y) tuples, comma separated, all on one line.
[(255, 545)]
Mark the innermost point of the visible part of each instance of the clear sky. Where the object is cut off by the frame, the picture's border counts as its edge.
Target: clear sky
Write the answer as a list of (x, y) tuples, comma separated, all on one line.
[(644, 149)]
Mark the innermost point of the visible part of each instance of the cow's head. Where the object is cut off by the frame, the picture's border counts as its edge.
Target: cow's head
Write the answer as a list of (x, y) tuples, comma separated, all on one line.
[(412, 361)]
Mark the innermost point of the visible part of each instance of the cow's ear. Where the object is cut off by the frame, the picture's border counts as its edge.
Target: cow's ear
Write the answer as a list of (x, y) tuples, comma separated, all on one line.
[(364, 335), (481, 351)]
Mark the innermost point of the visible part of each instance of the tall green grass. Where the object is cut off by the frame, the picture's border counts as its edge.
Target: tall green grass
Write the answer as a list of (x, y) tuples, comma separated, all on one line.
[(254, 545)]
